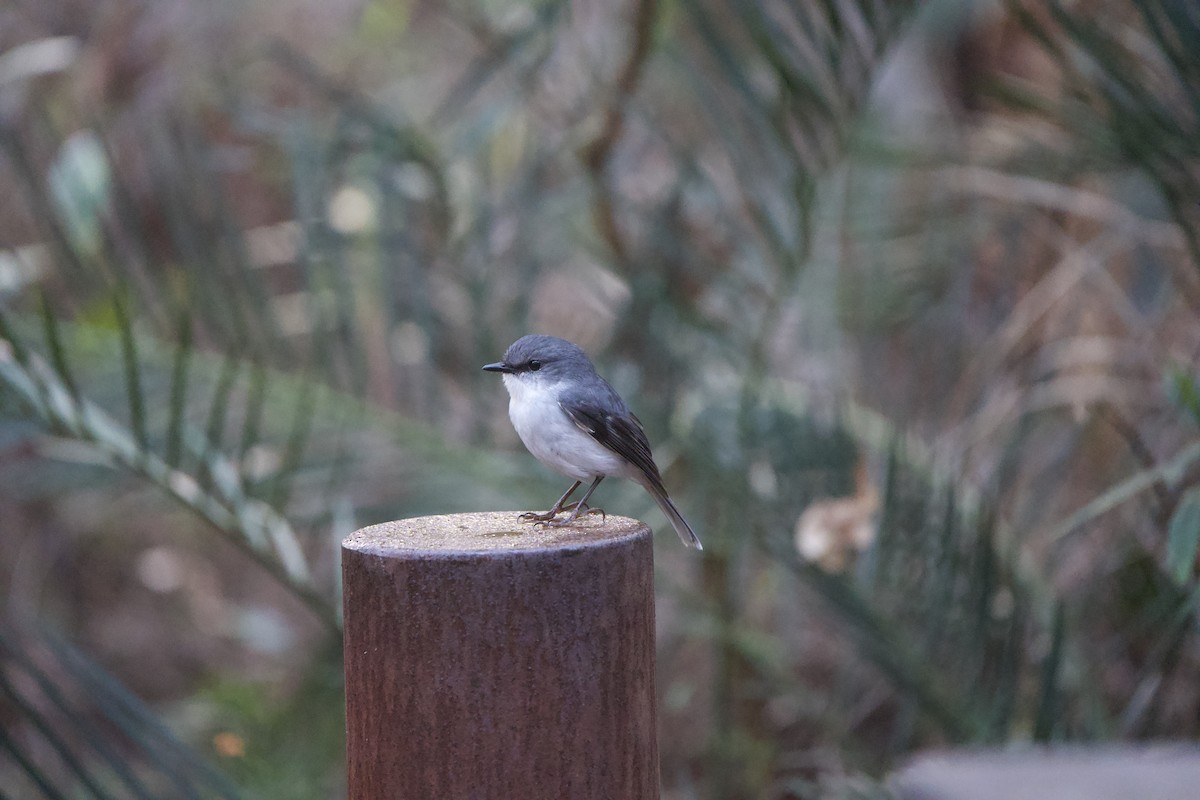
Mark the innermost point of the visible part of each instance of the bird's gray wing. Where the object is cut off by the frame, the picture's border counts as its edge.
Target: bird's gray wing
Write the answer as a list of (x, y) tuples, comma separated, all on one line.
[(601, 413), (598, 410)]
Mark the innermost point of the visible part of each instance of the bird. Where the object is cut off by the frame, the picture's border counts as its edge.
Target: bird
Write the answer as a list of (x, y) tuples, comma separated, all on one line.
[(574, 422)]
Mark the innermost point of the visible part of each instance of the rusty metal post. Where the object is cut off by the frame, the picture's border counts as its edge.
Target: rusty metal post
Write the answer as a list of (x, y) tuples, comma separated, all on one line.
[(490, 659)]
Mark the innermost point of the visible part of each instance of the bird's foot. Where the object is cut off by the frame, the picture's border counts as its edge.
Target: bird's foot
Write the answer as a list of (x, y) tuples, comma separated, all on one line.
[(533, 516), (586, 511)]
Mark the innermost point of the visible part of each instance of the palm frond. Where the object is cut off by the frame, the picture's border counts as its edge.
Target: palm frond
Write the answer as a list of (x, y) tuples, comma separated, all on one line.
[(251, 524), (1136, 74), (80, 730)]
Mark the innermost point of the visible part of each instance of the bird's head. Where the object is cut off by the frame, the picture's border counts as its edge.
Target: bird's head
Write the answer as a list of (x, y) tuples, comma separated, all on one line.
[(540, 360)]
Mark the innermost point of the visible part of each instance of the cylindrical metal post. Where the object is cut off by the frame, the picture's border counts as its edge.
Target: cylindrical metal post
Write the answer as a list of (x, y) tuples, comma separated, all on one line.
[(491, 659)]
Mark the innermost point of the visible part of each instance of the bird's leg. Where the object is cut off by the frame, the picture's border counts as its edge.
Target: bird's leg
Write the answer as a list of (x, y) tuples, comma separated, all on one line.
[(531, 516), (579, 507)]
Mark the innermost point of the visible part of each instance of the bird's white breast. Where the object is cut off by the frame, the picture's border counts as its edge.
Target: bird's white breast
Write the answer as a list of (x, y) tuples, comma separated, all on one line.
[(551, 436)]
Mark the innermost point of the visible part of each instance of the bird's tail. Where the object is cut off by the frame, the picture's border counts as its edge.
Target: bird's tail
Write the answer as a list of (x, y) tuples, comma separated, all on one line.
[(686, 534)]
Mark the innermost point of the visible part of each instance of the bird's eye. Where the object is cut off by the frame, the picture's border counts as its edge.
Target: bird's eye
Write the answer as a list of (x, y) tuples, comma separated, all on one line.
[(535, 365)]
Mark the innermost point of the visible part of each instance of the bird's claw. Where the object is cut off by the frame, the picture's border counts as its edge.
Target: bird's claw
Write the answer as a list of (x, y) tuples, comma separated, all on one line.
[(533, 516), (585, 509), (562, 523), (549, 516)]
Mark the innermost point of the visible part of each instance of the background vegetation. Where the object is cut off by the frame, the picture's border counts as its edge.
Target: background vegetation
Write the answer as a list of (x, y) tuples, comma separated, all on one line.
[(906, 294)]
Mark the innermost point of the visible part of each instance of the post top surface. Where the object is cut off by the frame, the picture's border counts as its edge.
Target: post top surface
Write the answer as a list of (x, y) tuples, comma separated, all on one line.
[(490, 532)]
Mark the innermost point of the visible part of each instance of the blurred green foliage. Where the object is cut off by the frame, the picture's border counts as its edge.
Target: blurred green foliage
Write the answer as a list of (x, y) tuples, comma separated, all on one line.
[(895, 286)]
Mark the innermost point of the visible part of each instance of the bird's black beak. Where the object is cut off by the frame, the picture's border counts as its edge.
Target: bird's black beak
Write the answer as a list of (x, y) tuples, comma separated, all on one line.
[(499, 366)]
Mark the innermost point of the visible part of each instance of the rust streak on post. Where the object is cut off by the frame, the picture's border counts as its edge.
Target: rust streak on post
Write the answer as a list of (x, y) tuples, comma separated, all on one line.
[(486, 658)]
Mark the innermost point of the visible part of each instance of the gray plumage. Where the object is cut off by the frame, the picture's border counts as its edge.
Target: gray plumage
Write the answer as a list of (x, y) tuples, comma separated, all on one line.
[(573, 421)]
